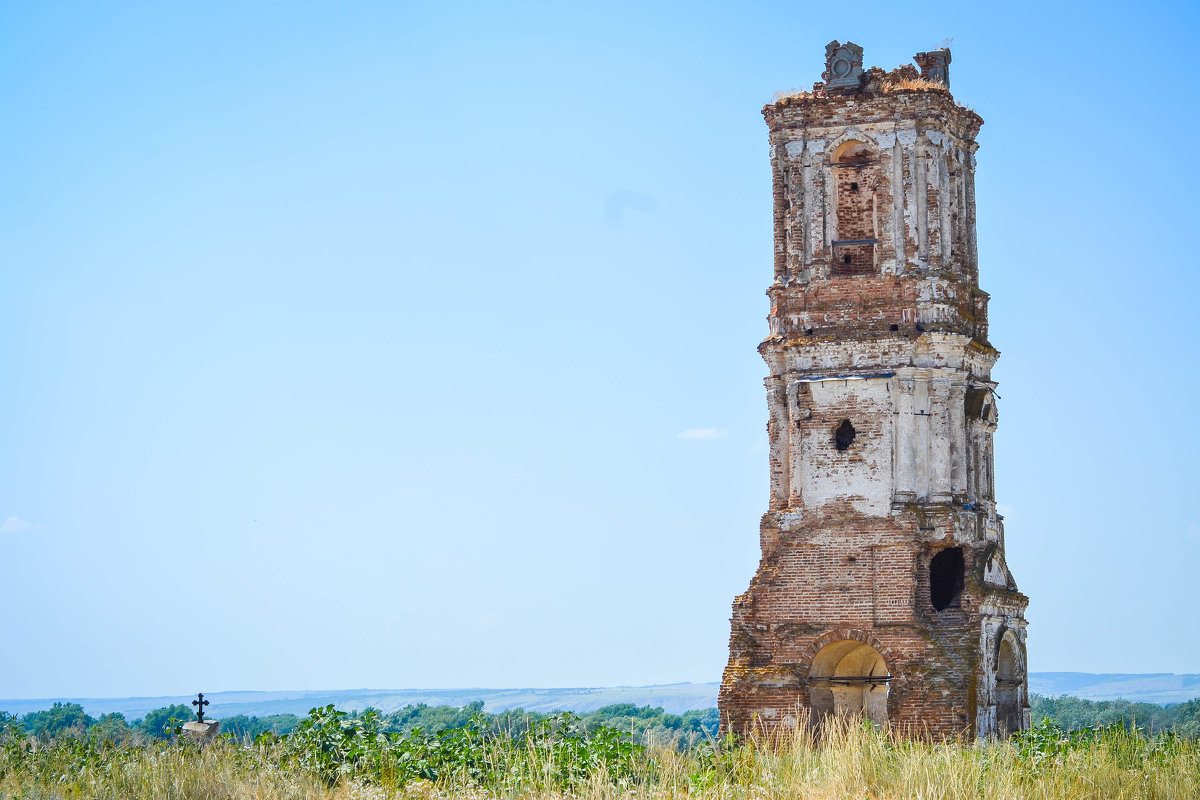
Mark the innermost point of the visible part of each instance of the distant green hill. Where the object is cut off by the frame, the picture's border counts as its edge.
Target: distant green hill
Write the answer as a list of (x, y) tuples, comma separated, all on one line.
[(675, 698)]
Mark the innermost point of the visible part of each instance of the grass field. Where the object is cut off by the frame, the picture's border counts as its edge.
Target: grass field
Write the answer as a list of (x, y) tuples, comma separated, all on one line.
[(334, 756)]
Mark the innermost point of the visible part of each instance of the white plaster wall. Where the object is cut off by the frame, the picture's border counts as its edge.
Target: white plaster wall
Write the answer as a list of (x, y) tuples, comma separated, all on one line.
[(995, 573), (862, 474)]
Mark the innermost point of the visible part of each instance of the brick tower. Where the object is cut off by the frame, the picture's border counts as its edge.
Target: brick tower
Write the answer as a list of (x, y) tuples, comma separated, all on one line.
[(883, 588)]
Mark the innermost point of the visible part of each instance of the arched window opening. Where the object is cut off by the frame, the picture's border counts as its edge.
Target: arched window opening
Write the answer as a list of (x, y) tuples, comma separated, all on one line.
[(946, 578), (1006, 663), (852, 153), (855, 238), (1010, 677), (848, 678)]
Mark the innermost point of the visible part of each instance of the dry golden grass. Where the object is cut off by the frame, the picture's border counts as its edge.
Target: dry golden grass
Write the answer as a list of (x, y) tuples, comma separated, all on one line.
[(914, 85), (887, 85), (791, 94)]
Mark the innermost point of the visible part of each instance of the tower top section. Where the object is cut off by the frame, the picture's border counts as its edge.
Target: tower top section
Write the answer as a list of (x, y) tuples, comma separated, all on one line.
[(874, 188), (919, 92)]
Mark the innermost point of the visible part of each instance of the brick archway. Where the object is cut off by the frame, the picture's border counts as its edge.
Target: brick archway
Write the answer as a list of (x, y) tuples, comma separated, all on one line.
[(848, 676), (844, 634)]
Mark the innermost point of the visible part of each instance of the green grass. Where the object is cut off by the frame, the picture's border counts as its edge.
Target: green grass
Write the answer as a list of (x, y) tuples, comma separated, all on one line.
[(332, 755)]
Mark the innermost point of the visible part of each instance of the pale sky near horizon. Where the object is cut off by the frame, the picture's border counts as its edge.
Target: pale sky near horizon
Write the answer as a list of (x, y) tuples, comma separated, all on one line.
[(413, 344)]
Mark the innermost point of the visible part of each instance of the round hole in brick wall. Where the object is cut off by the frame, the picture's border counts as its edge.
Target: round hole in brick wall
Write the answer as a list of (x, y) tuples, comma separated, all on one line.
[(845, 259), (843, 437), (854, 187)]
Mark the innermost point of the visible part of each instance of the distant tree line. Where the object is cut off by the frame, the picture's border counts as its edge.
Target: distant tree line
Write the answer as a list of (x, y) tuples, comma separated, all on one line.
[(1072, 714), (648, 726), (70, 718)]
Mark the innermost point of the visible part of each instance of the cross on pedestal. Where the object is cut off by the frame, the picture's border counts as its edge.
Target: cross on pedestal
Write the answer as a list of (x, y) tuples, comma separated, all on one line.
[(200, 703)]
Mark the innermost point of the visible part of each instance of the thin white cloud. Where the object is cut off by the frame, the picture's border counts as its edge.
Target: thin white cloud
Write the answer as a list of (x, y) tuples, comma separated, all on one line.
[(702, 434), (622, 205), (14, 525)]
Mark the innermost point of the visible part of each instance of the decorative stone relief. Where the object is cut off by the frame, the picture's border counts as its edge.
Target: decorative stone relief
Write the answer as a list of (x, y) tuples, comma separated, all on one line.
[(843, 65)]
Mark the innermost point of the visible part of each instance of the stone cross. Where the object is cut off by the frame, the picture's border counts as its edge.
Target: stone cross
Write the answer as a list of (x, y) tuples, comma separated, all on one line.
[(200, 703)]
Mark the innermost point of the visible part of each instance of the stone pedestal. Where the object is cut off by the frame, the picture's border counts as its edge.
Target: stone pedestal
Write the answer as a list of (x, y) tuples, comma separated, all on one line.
[(202, 732)]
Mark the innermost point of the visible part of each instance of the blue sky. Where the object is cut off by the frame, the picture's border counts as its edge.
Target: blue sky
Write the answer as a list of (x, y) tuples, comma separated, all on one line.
[(413, 345)]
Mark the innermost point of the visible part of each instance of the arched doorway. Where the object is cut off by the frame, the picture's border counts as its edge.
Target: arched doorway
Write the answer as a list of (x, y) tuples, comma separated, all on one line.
[(850, 678), (1010, 683)]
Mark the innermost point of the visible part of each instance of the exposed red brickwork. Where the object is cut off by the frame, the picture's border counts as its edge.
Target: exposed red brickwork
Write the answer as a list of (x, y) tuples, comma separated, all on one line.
[(881, 414), (854, 189)]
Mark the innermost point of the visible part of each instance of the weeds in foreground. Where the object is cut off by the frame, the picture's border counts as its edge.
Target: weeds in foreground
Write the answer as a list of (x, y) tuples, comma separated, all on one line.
[(334, 756), (550, 754)]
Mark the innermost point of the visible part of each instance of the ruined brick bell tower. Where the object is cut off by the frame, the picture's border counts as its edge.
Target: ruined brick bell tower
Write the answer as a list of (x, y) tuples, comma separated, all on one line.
[(883, 588)]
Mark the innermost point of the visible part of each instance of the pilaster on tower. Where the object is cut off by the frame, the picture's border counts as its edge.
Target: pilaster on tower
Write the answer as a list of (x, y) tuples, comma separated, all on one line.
[(883, 588)]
